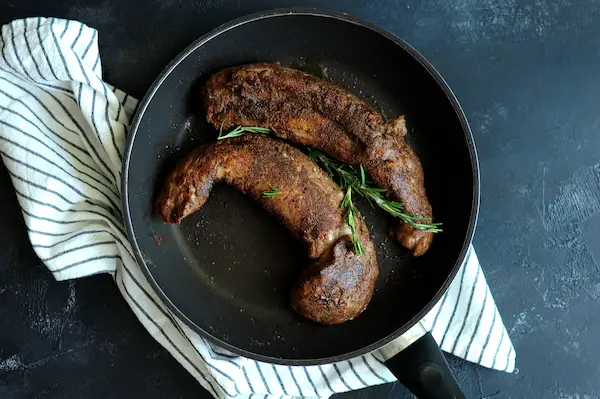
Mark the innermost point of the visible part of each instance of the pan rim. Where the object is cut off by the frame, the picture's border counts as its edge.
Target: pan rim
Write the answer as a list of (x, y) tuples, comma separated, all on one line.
[(314, 12)]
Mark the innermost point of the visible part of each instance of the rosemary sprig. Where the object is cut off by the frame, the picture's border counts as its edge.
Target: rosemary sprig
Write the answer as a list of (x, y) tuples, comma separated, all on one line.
[(351, 179), (351, 211), (355, 179), (241, 130), (273, 192)]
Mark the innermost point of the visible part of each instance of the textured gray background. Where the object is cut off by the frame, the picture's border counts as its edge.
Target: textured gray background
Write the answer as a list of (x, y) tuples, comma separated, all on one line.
[(527, 74)]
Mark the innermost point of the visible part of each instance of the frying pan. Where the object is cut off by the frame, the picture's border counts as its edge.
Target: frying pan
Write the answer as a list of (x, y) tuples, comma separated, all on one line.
[(227, 270)]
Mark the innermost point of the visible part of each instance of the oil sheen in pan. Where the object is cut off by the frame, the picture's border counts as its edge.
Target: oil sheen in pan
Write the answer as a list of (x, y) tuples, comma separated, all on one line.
[(234, 226)]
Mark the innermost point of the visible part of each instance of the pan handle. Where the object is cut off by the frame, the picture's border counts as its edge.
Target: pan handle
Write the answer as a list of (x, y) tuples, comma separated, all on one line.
[(423, 369)]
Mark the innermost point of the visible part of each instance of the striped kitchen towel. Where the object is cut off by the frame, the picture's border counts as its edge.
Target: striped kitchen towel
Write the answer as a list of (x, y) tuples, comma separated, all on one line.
[(62, 135)]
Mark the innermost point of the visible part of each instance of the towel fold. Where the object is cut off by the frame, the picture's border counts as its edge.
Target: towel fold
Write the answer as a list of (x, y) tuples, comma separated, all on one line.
[(62, 137)]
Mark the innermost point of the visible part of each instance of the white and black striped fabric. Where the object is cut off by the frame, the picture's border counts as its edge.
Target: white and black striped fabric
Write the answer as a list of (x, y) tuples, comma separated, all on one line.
[(62, 135)]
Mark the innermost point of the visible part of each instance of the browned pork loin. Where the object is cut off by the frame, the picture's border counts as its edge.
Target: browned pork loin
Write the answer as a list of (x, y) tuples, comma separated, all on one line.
[(307, 110), (338, 284)]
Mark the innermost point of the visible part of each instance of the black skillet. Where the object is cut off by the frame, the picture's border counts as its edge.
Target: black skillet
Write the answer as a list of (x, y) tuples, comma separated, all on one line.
[(227, 270)]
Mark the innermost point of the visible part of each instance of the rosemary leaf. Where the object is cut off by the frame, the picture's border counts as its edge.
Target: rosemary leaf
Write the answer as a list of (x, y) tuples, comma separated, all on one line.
[(273, 192), (362, 175), (241, 130), (351, 211)]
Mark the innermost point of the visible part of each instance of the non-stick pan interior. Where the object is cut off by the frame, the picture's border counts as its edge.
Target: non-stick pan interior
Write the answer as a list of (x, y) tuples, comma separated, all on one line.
[(228, 269)]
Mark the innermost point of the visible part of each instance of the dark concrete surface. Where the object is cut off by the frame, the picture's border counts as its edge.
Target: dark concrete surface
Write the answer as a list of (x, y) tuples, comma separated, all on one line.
[(527, 74)]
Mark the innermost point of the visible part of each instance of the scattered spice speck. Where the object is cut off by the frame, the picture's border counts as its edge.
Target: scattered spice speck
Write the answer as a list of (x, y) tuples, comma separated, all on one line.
[(157, 239)]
